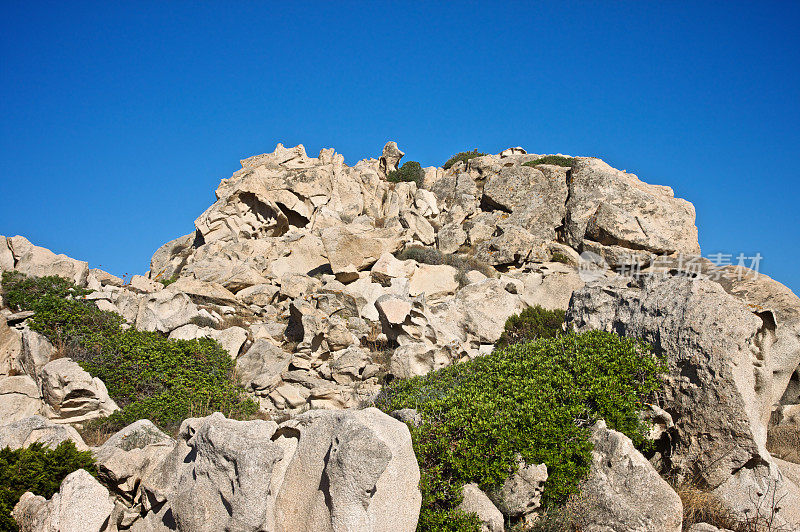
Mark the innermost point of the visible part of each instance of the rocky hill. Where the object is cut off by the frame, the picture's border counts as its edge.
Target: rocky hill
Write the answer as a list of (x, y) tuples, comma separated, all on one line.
[(324, 285)]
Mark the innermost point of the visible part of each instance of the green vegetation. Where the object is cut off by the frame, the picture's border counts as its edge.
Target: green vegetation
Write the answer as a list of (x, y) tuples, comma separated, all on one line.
[(557, 160), (462, 156), (560, 257), (147, 374), (410, 171), (37, 469), (167, 282), (531, 324), (536, 400), (462, 263)]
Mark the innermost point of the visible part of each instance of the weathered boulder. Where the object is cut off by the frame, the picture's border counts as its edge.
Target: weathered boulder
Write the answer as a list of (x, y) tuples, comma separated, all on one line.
[(168, 260), (475, 501), (352, 248), (82, 504), (39, 262), (19, 398), (218, 476), (534, 201), (260, 368), (521, 493), (623, 492), (614, 208), (719, 385), (433, 280), (130, 455), (767, 296), (390, 158), (231, 339), (6, 255), (10, 346), (33, 429), (36, 353), (346, 470), (165, 311), (72, 394)]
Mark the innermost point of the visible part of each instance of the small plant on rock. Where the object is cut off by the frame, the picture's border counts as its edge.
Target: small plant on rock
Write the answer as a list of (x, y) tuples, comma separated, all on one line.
[(557, 160), (463, 156), (410, 171)]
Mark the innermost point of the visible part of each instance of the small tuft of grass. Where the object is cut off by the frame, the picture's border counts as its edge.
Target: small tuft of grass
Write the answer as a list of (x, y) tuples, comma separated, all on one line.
[(463, 156), (557, 160), (462, 263)]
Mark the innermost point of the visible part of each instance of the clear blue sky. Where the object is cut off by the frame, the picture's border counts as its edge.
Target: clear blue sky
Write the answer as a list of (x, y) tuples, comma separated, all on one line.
[(119, 119)]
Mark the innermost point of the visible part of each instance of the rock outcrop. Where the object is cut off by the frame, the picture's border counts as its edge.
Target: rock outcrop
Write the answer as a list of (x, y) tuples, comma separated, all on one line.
[(322, 281), (719, 384)]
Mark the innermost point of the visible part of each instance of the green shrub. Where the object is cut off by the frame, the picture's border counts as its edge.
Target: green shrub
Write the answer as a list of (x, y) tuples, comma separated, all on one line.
[(535, 400), (531, 324), (147, 374), (557, 160), (167, 282), (560, 257), (37, 469), (410, 171), (462, 156), (462, 263)]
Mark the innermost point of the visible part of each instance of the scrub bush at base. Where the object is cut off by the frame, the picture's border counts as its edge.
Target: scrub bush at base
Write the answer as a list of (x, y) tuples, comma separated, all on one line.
[(536, 400)]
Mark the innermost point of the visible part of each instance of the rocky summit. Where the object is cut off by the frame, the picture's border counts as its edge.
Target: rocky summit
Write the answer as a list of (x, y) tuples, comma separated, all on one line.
[(296, 361)]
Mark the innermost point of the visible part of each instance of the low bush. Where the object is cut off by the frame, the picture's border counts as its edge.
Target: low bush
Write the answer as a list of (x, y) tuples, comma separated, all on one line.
[(462, 263), (147, 374), (463, 156), (531, 324), (167, 282), (410, 171), (535, 400), (39, 470), (557, 160)]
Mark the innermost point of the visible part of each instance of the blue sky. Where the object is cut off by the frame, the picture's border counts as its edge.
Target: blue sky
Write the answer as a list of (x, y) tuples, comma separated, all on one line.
[(119, 119)]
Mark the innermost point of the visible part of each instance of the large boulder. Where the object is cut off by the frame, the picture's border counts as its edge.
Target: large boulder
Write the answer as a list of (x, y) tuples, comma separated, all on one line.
[(168, 260), (130, 455), (36, 261), (82, 504), (623, 492), (533, 199), (347, 470), (323, 470), (614, 209), (260, 368), (719, 385), (353, 248), (165, 311), (72, 394)]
